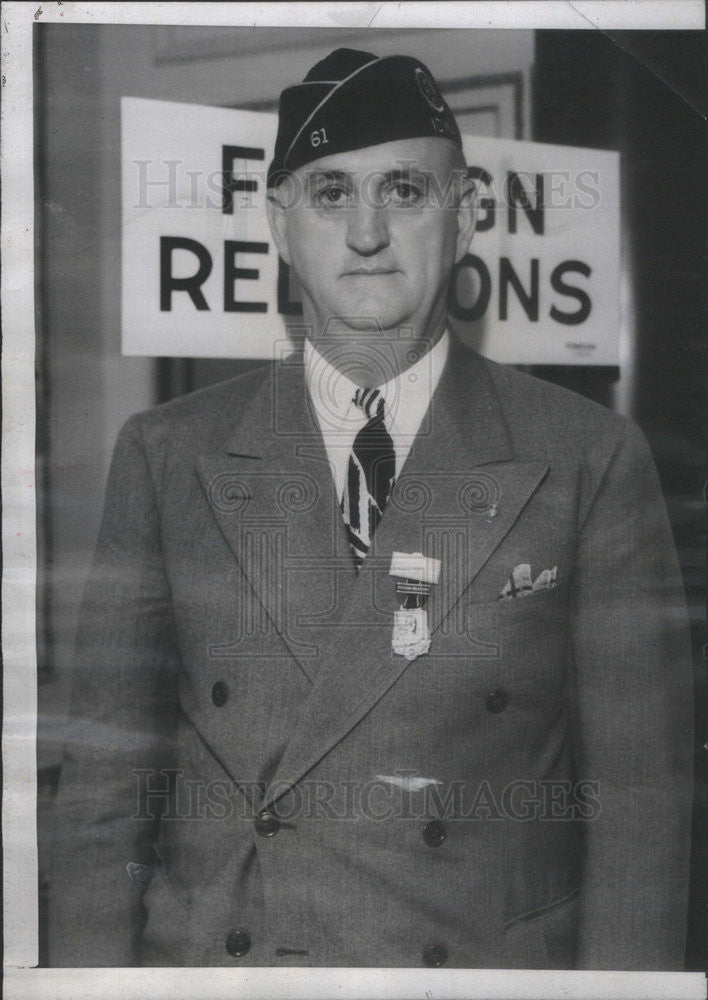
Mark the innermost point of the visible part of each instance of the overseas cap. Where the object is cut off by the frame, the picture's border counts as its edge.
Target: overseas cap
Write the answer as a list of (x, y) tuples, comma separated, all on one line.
[(354, 99)]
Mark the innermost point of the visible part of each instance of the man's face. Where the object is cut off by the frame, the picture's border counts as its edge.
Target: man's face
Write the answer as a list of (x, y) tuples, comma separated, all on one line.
[(373, 235)]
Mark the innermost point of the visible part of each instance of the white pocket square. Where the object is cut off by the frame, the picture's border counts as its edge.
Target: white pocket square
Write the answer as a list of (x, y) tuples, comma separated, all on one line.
[(520, 583)]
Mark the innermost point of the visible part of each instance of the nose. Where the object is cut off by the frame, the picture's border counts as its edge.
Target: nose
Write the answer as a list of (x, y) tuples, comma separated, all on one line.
[(367, 230)]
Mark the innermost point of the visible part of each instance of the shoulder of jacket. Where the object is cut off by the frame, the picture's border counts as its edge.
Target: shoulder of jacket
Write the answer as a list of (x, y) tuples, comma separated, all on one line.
[(203, 415), (558, 414)]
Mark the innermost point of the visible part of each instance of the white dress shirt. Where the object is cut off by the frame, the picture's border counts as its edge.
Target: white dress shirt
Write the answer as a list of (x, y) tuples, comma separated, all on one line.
[(407, 397)]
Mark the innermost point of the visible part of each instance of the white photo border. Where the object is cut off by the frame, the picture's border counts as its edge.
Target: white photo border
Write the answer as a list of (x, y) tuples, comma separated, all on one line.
[(19, 520)]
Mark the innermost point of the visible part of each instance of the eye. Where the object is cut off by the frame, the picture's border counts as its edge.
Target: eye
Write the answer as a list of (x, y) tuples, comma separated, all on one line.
[(405, 194), (332, 196)]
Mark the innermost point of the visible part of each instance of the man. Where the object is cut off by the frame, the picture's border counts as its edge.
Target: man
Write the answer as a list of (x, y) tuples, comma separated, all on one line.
[(384, 649)]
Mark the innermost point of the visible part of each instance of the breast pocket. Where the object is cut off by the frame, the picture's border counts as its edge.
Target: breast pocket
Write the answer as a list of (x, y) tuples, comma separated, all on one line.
[(540, 605), (485, 630)]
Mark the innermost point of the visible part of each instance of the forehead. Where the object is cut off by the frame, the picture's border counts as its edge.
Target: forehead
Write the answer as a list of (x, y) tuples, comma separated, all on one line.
[(427, 155)]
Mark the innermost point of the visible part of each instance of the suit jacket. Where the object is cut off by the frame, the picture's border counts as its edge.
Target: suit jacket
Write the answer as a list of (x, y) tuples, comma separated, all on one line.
[(247, 742)]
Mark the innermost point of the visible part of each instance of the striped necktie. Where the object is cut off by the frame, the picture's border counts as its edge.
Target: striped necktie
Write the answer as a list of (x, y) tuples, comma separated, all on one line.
[(371, 473)]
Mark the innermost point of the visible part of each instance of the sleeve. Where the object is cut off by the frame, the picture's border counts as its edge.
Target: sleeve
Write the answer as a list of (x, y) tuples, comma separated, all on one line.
[(633, 720), (123, 709)]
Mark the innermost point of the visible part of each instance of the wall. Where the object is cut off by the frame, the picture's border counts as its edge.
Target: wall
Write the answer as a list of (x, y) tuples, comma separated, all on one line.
[(643, 93)]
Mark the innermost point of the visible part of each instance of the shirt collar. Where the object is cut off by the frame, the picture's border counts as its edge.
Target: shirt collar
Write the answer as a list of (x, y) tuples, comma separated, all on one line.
[(407, 395)]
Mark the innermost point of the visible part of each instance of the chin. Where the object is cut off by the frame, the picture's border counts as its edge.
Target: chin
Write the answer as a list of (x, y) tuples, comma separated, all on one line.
[(372, 323), (343, 322), (373, 316)]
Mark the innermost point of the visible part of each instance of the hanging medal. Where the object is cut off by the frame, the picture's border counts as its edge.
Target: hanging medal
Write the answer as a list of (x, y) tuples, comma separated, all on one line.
[(415, 575)]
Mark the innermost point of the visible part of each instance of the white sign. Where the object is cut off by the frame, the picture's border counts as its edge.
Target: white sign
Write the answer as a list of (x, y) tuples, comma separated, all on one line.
[(201, 277), (540, 284), (199, 274)]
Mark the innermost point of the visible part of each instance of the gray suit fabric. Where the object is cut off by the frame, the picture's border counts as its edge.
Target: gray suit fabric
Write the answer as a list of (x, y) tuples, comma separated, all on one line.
[(227, 650)]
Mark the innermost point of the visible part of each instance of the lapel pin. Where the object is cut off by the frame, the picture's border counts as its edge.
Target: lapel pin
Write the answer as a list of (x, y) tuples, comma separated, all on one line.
[(415, 575)]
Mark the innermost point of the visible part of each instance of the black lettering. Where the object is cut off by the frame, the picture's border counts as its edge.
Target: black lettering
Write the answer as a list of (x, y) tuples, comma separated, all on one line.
[(192, 285), (486, 221), (230, 183), (286, 305), (516, 195), (558, 285), (231, 273), (470, 313), (508, 276)]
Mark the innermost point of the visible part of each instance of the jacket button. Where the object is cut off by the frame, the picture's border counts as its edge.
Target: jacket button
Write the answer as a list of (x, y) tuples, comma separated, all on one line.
[(435, 955), (434, 833), (238, 943), (497, 701), (219, 694), (266, 824)]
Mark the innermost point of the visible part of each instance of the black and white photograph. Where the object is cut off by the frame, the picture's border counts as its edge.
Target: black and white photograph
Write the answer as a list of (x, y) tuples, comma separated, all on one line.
[(354, 500)]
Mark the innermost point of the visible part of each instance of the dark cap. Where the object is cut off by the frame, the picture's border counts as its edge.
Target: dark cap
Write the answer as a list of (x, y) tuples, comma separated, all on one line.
[(354, 99)]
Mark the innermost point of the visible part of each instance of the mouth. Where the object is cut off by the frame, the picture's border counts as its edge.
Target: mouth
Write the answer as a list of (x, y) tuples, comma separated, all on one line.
[(370, 271)]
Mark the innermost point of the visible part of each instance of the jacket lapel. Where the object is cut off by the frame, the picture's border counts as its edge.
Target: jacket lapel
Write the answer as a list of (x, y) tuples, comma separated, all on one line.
[(462, 488), (272, 494), (459, 493)]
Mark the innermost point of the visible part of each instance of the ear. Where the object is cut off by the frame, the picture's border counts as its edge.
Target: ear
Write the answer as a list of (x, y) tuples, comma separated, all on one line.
[(277, 220), (466, 218)]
